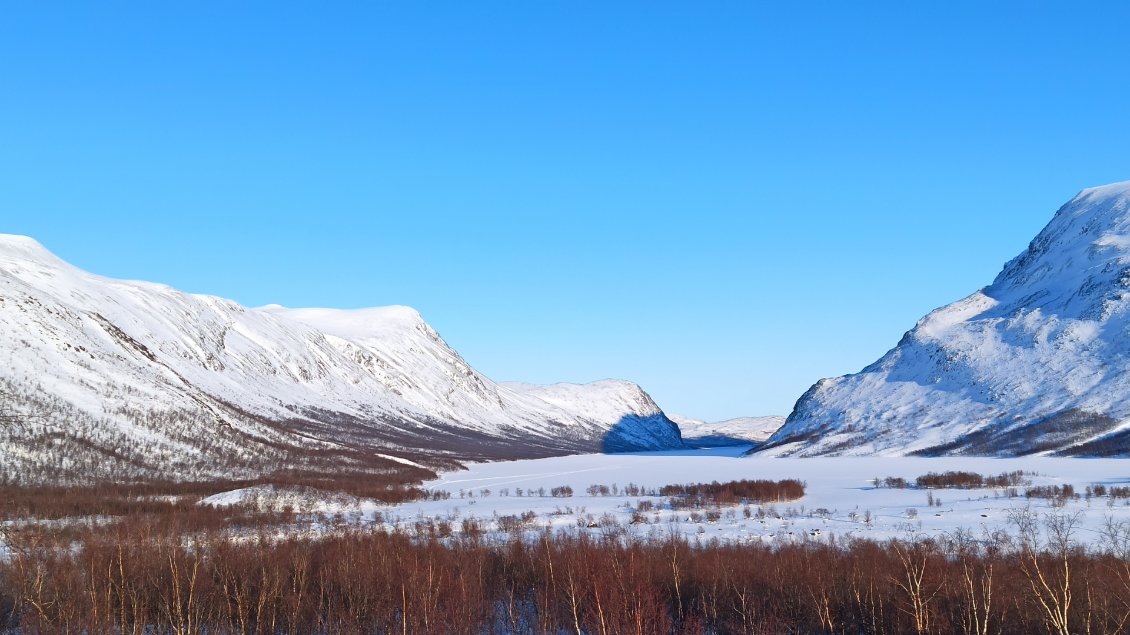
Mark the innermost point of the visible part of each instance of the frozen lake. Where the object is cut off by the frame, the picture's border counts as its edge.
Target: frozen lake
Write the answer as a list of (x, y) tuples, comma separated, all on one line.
[(840, 495), (841, 499)]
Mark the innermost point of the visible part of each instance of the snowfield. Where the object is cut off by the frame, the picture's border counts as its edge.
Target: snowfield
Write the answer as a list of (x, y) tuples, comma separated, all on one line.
[(841, 500)]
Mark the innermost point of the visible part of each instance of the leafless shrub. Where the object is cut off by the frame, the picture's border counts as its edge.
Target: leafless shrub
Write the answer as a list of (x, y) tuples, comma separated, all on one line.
[(140, 576), (702, 495)]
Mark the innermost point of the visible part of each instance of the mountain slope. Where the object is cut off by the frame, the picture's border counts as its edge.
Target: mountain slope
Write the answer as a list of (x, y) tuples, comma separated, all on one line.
[(1036, 362), (639, 423), (145, 377), (735, 431)]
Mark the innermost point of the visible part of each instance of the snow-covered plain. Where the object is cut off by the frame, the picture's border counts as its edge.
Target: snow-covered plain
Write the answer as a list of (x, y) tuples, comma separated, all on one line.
[(840, 497)]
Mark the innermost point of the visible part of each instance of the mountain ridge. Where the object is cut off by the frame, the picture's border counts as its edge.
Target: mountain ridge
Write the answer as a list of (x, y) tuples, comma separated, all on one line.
[(110, 352), (736, 431)]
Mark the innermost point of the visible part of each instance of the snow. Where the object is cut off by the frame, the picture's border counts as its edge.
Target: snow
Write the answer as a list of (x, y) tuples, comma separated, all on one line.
[(355, 324), (1120, 189), (755, 429), (106, 347), (236, 496), (1046, 338), (401, 460), (276, 499), (840, 496), (594, 398)]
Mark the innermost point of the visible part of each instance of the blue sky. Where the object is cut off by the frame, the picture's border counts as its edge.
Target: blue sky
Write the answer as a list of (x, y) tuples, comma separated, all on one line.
[(721, 201)]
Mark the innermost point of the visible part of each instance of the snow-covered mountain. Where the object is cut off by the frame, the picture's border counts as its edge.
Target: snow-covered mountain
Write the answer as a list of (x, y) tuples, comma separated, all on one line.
[(153, 379), (640, 424), (740, 430), (1039, 361)]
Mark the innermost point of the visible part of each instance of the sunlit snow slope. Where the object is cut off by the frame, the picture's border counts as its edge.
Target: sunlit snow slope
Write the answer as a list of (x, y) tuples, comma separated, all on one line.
[(1037, 362), (152, 374)]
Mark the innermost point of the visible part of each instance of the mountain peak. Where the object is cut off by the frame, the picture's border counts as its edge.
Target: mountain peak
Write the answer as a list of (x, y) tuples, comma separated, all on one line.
[(1035, 362), (1109, 191), (353, 323), (24, 247), (1076, 266)]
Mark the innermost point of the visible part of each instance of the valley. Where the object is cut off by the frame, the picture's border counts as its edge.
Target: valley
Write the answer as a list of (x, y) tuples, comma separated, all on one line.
[(156, 433), (564, 318), (845, 499)]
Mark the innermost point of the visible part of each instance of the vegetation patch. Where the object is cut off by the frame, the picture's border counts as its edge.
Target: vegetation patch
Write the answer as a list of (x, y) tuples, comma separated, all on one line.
[(744, 492), (955, 479), (138, 578)]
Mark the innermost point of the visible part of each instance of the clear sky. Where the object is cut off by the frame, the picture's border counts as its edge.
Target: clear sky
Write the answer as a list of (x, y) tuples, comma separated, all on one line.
[(723, 201)]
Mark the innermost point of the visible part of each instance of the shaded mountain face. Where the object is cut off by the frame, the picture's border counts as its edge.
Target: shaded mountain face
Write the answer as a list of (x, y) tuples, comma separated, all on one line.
[(146, 380), (1039, 361)]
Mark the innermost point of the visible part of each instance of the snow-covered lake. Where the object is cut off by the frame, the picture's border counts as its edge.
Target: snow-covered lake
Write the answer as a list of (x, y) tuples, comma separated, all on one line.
[(840, 494), (841, 500)]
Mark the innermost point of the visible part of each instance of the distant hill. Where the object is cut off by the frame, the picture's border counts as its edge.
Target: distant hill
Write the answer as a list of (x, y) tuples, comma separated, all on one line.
[(737, 431)]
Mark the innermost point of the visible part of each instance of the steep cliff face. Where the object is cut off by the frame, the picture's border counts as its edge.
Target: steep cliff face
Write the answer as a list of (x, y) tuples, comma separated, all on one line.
[(140, 370), (1038, 361)]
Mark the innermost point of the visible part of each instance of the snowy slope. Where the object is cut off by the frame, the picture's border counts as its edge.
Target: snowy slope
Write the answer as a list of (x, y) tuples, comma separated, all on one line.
[(729, 432), (141, 365), (1036, 362), (639, 421)]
